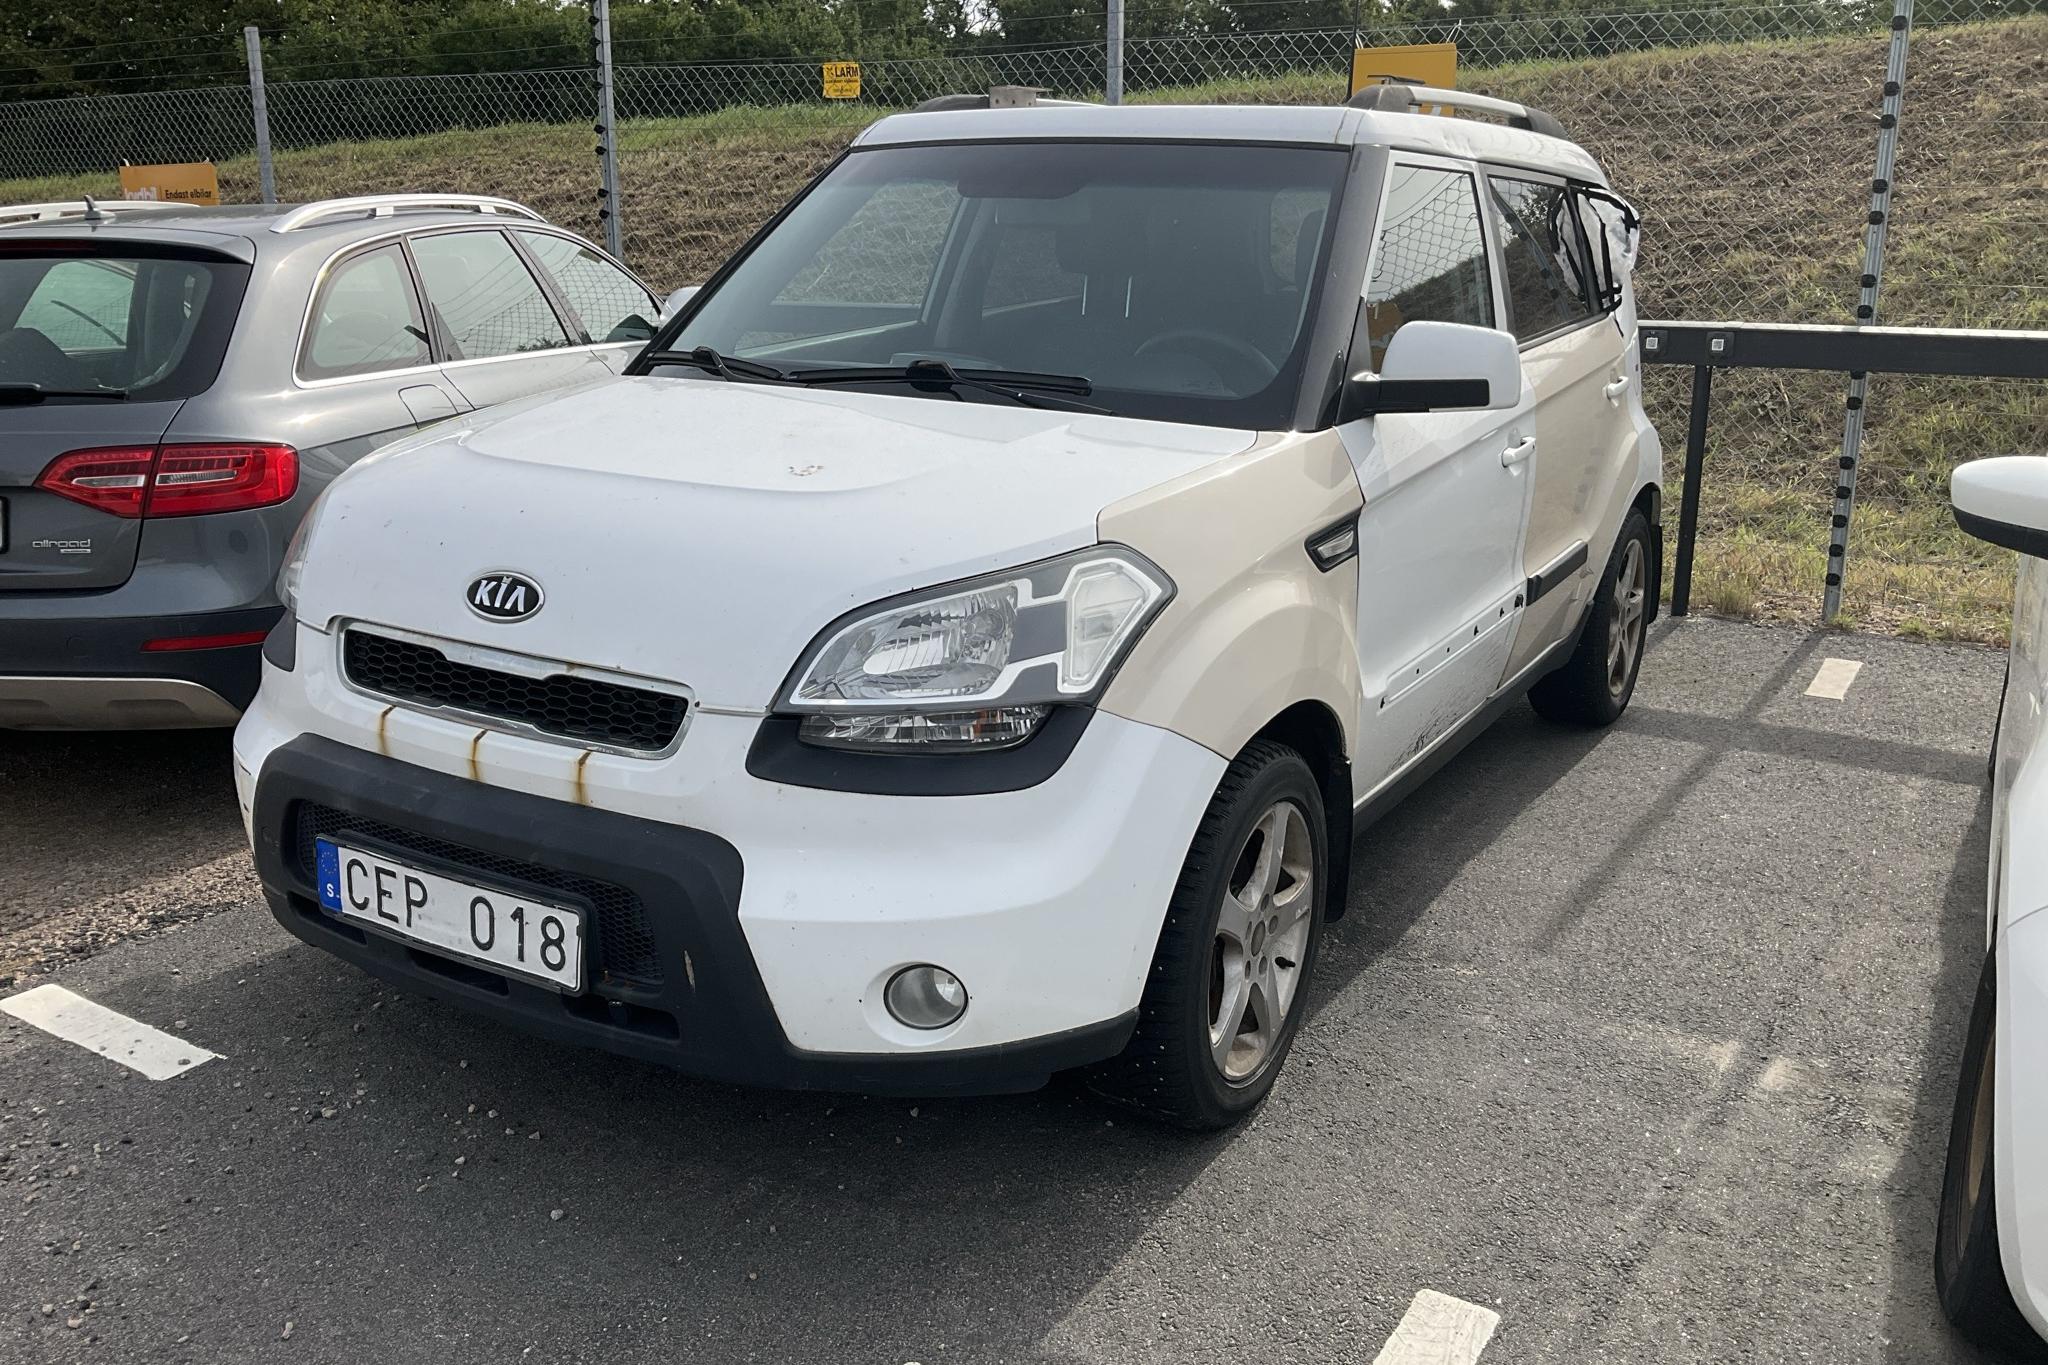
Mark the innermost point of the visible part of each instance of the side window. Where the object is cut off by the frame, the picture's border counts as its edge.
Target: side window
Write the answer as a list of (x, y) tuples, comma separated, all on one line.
[(1610, 230), (1542, 261), (489, 302), (611, 305), (82, 305), (1430, 261), (366, 319)]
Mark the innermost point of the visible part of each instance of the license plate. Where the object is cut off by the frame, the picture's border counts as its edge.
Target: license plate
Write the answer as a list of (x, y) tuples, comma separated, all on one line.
[(487, 925)]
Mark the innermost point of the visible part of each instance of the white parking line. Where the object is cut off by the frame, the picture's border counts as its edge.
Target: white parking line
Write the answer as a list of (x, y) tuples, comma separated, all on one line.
[(1439, 1330), (75, 1019), (1832, 682)]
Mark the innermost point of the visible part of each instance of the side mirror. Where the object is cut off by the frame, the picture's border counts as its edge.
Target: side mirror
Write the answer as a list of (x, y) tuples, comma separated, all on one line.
[(2004, 501), (1438, 367), (674, 303)]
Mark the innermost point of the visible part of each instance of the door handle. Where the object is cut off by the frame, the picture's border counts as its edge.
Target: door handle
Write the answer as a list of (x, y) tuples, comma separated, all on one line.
[(1615, 390), (1518, 452)]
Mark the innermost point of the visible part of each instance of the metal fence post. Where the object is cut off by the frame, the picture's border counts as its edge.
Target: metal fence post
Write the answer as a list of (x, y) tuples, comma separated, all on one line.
[(1113, 81), (607, 128), (266, 172), (1689, 500), (1866, 303)]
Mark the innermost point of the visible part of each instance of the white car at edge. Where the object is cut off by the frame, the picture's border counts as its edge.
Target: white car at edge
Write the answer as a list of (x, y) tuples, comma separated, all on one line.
[(1991, 1241), (966, 642)]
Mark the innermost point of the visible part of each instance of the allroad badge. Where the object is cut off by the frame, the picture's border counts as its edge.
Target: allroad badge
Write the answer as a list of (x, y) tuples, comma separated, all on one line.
[(503, 596)]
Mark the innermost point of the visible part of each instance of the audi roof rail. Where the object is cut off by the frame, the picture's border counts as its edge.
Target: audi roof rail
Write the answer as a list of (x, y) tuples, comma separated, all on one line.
[(1399, 97), (385, 205), (87, 209), (998, 97)]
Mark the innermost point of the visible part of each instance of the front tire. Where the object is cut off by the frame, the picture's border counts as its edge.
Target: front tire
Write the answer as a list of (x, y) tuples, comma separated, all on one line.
[(1968, 1271), (1592, 688), (1229, 979)]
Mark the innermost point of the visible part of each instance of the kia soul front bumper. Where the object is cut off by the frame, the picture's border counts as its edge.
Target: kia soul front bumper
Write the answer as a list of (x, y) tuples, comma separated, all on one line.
[(741, 928)]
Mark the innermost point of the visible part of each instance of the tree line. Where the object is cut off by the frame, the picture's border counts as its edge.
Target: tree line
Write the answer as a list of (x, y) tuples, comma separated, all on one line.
[(82, 47)]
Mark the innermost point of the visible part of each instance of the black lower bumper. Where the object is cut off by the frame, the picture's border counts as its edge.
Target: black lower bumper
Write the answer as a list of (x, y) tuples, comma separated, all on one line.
[(115, 647), (671, 978)]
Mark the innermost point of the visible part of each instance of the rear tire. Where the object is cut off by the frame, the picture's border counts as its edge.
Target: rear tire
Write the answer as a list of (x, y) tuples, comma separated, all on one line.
[(1968, 1271), (1229, 980), (1594, 685)]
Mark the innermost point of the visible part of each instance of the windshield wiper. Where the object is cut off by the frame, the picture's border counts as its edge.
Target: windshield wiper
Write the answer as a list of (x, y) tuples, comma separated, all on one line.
[(30, 392), (1019, 386), (711, 362)]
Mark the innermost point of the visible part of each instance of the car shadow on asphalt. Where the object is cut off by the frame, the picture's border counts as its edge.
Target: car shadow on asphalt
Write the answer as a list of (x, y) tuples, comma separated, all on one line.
[(1402, 864), (90, 814)]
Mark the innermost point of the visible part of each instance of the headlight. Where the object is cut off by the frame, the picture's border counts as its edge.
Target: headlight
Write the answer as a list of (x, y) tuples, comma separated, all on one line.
[(294, 565), (975, 665)]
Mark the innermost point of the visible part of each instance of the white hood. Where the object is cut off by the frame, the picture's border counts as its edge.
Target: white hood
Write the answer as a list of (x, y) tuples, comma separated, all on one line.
[(703, 532)]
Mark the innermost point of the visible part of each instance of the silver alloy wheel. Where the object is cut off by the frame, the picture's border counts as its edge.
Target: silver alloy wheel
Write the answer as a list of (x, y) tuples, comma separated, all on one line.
[(1261, 937), (1625, 626)]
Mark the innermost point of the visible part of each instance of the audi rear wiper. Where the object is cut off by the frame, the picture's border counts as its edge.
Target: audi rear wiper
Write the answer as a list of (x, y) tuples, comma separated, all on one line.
[(1023, 387), (711, 362), (29, 392)]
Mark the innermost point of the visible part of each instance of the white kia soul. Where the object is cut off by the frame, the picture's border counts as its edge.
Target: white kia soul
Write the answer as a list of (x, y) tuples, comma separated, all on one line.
[(964, 644)]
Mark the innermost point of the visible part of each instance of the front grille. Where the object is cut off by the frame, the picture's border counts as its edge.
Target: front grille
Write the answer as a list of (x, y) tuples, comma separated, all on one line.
[(622, 946), (562, 704)]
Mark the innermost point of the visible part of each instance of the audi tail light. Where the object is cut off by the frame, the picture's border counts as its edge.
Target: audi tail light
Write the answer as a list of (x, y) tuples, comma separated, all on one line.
[(178, 480)]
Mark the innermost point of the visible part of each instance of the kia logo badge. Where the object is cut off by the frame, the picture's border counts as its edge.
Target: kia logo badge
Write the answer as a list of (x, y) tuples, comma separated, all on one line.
[(503, 596)]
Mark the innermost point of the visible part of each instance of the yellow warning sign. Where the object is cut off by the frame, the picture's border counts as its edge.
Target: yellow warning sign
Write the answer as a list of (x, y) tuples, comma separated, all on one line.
[(192, 182), (842, 80), (1433, 64)]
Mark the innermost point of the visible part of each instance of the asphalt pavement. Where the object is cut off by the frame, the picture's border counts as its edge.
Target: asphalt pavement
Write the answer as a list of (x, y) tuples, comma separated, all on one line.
[(1644, 1040)]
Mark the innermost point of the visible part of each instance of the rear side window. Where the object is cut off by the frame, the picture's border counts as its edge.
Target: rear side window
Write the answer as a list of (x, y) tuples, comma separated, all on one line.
[(488, 301), (148, 324), (1610, 229), (1542, 257), (367, 319), (1429, 264), (612, 306)]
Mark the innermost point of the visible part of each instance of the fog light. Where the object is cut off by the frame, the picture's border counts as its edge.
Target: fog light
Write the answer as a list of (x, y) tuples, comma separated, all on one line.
[(925, 997)]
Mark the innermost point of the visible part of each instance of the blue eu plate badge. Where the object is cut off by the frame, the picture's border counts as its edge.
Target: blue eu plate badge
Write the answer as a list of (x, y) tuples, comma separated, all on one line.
[(327, 873)]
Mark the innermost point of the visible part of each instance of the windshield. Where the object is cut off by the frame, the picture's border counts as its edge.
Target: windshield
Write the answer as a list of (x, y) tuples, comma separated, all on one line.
[(78, 323), (1176, 278)]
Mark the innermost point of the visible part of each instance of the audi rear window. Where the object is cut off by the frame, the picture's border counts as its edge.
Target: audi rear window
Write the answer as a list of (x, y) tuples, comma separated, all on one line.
[(143, 323)]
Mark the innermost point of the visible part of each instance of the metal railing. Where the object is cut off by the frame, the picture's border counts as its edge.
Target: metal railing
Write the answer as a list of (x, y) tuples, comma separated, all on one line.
[(1858, 352)]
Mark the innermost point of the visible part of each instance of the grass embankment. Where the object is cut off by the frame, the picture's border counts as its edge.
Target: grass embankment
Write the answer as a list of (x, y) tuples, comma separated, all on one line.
[(1750, 165)]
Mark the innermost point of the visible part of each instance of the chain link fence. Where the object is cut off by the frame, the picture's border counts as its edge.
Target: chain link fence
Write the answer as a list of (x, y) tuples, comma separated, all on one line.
[(1745, 133), (1753, 190)]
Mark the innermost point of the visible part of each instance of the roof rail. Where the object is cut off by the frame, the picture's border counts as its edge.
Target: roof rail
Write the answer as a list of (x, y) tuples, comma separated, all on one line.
[(998, 97), (79, 208), (1399, 97), (385, 205)]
